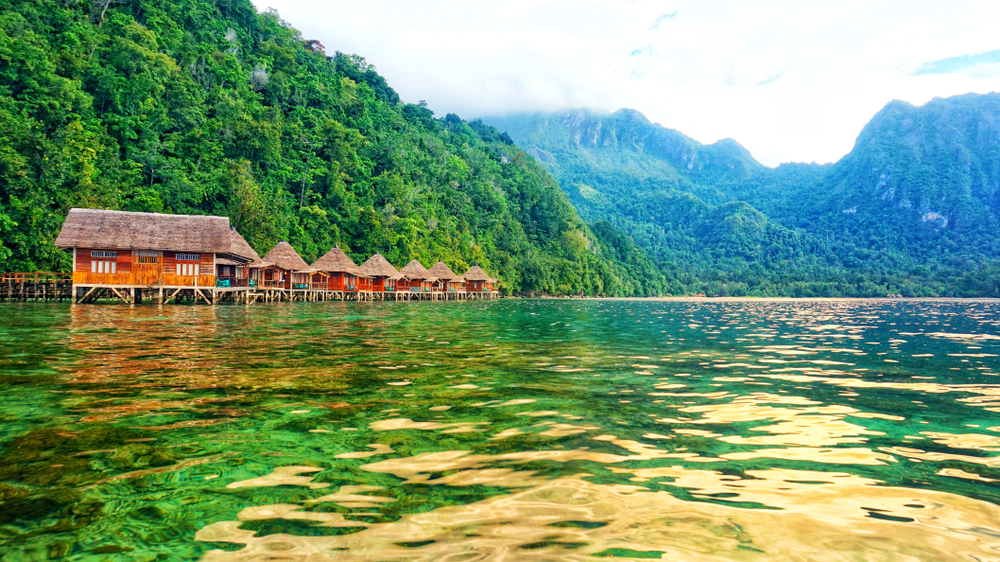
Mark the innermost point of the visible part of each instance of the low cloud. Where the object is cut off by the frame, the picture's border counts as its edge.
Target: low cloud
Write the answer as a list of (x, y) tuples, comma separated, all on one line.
[(791, 81)]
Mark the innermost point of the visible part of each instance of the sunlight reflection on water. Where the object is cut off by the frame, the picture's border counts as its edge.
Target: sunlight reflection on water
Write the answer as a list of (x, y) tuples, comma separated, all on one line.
[(820, 430)]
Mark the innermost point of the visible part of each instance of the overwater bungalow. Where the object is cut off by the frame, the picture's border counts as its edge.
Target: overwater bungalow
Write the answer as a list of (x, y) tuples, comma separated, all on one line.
[(379, 276), (416, 278), (236, 273), (290, 271), (478, 281), (340, 270), (447, 280), (125, 252)]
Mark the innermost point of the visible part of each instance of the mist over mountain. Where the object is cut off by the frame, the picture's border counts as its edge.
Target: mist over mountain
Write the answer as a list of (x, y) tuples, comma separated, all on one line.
[(912, 209)]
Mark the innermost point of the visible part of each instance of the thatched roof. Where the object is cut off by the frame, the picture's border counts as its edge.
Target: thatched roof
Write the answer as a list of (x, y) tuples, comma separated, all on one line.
[(476, 273), (336, 261), (378, 266), (239, 247), (443, 272), (415, 270), (122, 230), (284, 256)]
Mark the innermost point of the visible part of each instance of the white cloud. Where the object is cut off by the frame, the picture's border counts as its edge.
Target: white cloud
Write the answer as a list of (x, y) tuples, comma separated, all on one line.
[(790, 80)]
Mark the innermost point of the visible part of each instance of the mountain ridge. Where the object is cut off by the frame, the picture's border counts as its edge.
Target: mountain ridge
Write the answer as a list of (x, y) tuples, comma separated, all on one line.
[(914, 204)]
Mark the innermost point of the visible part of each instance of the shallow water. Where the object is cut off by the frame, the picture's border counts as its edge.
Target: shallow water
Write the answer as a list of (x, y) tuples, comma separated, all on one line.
[(527, 430)]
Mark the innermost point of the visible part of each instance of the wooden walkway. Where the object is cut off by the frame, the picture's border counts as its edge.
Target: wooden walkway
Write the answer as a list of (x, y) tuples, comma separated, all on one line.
[(58, 287), (23, 287), (36, 286)]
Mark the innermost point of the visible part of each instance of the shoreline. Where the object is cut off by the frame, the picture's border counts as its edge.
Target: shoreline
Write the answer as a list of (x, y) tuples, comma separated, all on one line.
[(764, 299)]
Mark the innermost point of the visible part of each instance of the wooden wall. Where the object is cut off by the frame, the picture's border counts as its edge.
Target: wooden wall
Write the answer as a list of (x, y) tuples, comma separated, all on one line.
[(123, 262), (204, 264), (127, 273)]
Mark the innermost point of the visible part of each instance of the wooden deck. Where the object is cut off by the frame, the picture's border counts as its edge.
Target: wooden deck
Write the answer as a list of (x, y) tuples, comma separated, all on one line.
[(166, 294)]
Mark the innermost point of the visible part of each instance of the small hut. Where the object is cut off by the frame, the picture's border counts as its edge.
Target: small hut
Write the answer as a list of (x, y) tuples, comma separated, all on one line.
[(381, 274), (290, 271), (121, 248), (478, 281), (446, 281), (342, 273), (416, 278), (236, 272)]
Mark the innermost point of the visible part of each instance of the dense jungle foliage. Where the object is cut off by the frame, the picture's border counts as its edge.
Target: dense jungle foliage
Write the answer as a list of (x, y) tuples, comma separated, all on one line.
[(207, 107), (912, 210)]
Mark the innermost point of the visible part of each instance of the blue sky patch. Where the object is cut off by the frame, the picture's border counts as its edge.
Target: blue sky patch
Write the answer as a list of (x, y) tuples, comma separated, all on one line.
[(662, 18), (955, 64)]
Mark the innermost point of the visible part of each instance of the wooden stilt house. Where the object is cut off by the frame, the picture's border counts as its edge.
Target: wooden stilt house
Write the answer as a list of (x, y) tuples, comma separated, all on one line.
[(290, 271), (478, 281), (447, 280), (125, 249), (236, 273), (416, 278), (341, 271), (381, 275)]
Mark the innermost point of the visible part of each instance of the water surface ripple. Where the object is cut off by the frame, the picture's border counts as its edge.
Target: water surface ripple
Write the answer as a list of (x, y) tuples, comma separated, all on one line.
[(512, 430)]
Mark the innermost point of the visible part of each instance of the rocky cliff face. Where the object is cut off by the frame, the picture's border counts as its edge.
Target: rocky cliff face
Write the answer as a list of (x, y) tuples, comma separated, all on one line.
[(936, 167)]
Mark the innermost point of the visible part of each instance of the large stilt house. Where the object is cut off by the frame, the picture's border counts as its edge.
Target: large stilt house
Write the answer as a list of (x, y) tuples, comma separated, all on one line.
[(416, 278), (478, 281), (124, 249), (381, 275), (290, 271), (340, 270)]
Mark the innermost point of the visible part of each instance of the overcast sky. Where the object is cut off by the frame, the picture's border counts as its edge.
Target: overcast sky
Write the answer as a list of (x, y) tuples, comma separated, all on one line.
[(790, 80)]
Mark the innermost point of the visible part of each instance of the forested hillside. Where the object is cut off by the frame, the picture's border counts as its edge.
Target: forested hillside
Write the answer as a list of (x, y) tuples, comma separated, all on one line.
[(207, 107), (913, 209)]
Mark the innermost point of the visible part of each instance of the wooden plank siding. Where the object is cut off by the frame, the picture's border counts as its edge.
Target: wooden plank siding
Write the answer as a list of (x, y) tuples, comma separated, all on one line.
[(174, 280), (206, 271), (342, 282), (85, 263), (128, 273)]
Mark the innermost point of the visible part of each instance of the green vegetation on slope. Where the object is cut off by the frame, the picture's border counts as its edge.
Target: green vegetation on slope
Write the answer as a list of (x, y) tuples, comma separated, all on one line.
[(911, 210), (207, 107)]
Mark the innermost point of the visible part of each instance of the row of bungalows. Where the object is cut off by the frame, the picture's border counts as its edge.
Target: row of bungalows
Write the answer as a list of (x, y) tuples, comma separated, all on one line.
[(127, 253)]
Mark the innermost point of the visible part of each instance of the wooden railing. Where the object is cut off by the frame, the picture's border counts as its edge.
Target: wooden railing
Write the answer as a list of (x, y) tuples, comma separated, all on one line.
[(230, 281), (34, 277)]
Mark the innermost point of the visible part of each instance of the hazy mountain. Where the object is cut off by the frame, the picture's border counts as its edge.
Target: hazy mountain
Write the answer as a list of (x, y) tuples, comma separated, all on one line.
[(912, 208)]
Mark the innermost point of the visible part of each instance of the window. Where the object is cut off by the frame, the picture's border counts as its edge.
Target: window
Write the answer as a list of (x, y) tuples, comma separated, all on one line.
[(103, 254), (187, 269), (188, 257), (146, 256), (101, 266)]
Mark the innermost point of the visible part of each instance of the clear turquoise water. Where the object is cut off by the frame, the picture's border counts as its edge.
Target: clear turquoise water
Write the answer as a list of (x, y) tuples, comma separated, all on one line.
[(519, 429)]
